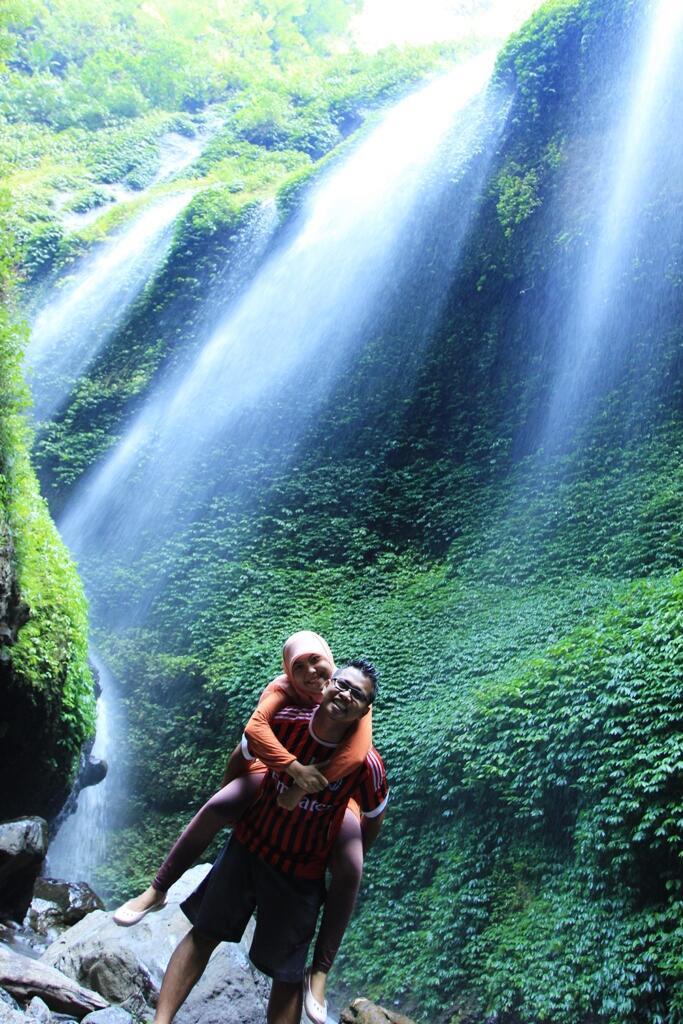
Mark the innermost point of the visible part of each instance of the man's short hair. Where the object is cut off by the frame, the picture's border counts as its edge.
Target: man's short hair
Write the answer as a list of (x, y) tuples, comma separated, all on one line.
[(365, 666)]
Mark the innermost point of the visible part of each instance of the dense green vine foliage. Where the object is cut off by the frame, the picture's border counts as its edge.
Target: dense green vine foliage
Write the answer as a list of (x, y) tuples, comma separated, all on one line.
[(90, 90), (522, 599), (47, 688)]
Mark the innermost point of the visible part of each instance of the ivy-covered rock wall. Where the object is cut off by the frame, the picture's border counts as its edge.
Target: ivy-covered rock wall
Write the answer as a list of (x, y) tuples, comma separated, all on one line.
[(47, 689)]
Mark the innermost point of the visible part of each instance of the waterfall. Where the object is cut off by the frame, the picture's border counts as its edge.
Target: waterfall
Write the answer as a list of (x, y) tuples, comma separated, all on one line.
[(82, 312), (638, 162), (347, 256), (80, 845), (387, 221), (176, 153), (76, 323)]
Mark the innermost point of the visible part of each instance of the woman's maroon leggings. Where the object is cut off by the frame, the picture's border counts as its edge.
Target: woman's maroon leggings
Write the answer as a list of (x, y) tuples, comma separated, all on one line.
[(345, 865)]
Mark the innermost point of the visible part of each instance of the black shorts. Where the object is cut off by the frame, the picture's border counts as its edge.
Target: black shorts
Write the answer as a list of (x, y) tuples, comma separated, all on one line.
[(286, 908)]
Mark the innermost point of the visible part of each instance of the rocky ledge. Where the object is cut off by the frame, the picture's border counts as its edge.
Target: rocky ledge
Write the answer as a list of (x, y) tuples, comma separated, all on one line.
[(66, 961)]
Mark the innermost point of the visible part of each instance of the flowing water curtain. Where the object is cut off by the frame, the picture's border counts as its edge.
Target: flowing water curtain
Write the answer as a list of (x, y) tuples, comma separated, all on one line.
[(81, 841), (336, 273), (78, 321), (81, 313), (625, 278)]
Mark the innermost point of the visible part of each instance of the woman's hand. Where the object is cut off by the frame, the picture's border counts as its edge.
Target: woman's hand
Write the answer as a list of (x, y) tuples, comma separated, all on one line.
[(290, 798), (308, 777)]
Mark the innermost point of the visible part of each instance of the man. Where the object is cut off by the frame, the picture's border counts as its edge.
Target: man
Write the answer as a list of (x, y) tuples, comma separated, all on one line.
[(275, 860)]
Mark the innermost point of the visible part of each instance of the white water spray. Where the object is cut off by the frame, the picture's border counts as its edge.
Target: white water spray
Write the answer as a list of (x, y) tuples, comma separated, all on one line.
[(314, 296), (594, 332), (176, 153), (80, 845), (76, 324)]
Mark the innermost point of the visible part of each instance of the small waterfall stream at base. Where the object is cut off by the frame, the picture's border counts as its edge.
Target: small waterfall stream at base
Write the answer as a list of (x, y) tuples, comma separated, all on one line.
[(80, 844)]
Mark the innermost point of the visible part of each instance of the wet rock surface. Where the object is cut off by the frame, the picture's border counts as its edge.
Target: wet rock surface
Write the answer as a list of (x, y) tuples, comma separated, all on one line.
[(36, 1012), (10, 1015), (230, 991), (94, 771), (57, 905), (39, 1011), (23, 845), (126, 965), (25, 978), (362, 1011), (8, 1000), (111, 1015)]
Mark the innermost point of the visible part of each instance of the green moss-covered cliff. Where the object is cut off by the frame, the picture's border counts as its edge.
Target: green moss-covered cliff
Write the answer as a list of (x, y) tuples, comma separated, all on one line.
[(47, 688)]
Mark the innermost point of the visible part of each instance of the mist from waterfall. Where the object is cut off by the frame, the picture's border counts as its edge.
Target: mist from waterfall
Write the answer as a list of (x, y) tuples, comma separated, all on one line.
[(80, 317), (354, 246), (639, 161), (381, 230)]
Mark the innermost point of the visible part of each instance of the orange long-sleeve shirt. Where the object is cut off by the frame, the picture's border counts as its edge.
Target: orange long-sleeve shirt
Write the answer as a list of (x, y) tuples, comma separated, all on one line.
[(348, 756)]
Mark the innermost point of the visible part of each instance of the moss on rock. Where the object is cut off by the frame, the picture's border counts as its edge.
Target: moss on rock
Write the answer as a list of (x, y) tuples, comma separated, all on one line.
[(47, 688)]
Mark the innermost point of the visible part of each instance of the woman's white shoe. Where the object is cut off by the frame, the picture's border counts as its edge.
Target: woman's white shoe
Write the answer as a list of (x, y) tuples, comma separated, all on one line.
[(315, 1012), (126, 916)]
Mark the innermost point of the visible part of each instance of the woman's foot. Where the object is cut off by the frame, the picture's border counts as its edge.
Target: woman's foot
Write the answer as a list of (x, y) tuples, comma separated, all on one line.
[(134, 910), (315, 1003)]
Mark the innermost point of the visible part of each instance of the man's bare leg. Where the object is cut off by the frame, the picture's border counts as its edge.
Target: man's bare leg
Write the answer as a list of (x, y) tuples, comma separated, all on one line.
[(184, 970), (286, 1000)]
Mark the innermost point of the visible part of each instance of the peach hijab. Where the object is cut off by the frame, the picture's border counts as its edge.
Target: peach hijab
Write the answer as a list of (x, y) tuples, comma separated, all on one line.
[(304, 642)]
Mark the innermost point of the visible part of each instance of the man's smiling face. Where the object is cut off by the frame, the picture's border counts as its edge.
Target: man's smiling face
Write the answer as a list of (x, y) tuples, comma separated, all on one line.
[(347, 695)]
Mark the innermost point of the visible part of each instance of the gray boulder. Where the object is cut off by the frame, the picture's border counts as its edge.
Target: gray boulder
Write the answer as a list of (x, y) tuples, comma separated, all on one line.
[(56, 905), (126, 965), (8, 1000), (99, 955), (112, 1015), (94, 771), (44, 918), (25, 978), (38, 1011), (229, 992), (23, 845), (10, 1015)]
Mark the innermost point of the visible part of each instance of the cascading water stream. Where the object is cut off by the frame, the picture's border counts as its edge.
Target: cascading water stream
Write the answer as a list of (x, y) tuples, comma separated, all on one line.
[(176, 152), (637, 163), (80, 844), (76, 324), (80, 315), (314, 296)]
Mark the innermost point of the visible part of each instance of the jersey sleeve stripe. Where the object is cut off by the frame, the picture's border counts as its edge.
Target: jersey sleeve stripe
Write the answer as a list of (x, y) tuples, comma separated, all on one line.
[(246, 752), (378, 810), (376, 767)]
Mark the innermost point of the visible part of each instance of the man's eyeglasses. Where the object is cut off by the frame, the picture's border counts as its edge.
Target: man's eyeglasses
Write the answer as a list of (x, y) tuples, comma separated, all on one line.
[(347, 687)]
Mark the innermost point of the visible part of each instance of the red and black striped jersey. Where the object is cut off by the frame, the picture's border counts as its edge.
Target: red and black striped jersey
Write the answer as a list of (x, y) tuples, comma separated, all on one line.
[(299, 842)]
